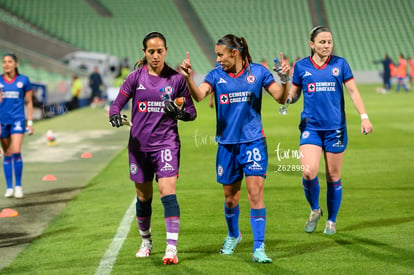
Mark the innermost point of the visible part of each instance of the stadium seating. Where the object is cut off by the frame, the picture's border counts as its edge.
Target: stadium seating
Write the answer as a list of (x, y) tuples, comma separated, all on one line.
[(268, 26), (76, 22), (363, 30)]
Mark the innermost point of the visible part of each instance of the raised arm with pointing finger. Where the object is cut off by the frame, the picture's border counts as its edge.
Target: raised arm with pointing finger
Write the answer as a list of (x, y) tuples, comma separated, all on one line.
[(236, 85)]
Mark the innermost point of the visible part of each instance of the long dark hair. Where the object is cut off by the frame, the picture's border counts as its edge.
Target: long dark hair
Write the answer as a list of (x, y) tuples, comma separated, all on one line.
[(12, 55), (147, 37), (239, 43), (314, 32)]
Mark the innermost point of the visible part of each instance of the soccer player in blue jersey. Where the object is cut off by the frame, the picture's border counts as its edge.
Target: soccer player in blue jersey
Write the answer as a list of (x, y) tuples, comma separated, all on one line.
[(321, 76), (16, 90), (237, 87), (154, 144)]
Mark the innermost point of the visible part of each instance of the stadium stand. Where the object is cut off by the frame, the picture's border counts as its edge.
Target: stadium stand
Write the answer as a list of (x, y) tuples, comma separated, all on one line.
[(266, 24), (120, 35), (365, 30)]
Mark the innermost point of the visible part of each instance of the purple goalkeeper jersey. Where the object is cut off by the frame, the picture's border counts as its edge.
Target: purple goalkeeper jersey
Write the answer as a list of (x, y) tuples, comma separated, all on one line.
[(151, 128)]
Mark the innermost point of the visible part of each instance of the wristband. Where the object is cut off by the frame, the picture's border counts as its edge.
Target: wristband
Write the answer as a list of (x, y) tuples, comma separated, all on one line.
[(30, 123), (364, 116)]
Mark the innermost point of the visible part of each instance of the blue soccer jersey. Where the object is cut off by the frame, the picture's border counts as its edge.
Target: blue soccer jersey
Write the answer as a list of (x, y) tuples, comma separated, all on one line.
[(13, 93), (238, 101), (324, 106)]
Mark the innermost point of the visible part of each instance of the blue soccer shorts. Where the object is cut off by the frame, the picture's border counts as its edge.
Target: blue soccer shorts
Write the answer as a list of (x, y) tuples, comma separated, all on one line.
[(234, 160), (18, 127), (331, 141)]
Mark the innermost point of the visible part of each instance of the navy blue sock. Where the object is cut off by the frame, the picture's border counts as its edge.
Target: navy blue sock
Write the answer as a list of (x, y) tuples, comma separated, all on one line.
[(312, 189), (143, 209), (232, 220), (18, 168), (171, 207), (258, 223), (144, 212), (333, 199), (8, 171)]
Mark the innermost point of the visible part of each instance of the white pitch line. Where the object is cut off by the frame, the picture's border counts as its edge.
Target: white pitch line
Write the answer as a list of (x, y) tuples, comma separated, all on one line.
[(108, 260)]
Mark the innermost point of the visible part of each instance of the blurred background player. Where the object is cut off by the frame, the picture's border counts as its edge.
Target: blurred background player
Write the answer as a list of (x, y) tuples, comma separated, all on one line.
[(411, 66), (154, 144), (323, 124), (401, 73), (95, 83), (386, 74), (237, 87), (76, 89), (17, 90)]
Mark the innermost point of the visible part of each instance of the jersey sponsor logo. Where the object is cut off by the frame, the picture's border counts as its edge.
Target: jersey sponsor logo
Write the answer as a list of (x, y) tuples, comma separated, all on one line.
[(307, 74), (255, 166), (311, 87), (19, 84), (224, 99), (151, 106), (141, 87), (220, 170), (238, 97), (167, 167), (335, 71), (251, 79), (305, 134), (10, 94), (133, 169), (325, 86), (221, 81)]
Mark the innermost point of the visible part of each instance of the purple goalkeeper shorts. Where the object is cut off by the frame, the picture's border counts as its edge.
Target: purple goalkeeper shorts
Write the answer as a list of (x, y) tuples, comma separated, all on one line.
[(144, 165)]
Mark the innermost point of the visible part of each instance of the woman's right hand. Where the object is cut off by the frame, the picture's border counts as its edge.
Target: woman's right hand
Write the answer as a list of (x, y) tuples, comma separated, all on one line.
[(186, 68)]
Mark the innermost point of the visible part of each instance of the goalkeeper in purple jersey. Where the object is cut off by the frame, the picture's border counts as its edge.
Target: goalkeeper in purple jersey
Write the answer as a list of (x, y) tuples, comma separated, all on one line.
[(16, 91), (323, 125), (154, 144), (237, 87)]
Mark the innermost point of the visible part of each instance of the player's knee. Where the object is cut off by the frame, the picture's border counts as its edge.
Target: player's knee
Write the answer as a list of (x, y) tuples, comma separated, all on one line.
[(231, 202), (309, 174), (334, 177), (171, 207)]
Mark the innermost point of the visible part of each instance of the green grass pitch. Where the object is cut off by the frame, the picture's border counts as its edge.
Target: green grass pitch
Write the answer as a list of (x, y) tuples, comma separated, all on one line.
[(374, 227)]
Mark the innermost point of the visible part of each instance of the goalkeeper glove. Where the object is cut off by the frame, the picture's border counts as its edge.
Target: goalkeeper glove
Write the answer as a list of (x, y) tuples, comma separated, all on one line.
[(173, 111), (118, 120)]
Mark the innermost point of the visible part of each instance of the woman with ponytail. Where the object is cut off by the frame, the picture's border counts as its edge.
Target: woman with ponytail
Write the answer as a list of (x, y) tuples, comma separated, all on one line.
[(237, 85)]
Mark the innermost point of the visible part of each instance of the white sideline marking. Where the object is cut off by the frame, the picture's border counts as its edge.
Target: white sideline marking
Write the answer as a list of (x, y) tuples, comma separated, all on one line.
[(108, 260)]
